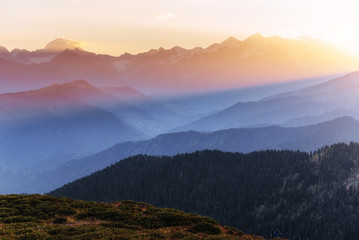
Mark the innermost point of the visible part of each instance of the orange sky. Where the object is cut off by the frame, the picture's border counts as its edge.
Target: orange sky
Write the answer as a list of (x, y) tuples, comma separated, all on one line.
[(117, 26)]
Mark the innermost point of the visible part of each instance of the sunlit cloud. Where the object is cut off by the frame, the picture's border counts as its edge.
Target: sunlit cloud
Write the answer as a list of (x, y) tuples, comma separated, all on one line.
[(165, 15), (60, 44)]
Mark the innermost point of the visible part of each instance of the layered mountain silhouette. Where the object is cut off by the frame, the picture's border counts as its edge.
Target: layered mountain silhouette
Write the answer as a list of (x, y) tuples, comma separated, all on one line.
[(59, 120), (253, 61), (168, 115), (121, 106), (59, 62), (310, 105), (256, 60), (66, 113), (54, 121), (63, 112), (307, 138)]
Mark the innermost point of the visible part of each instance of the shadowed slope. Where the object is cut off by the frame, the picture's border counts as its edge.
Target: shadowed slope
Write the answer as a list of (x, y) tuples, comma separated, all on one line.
[(308, 138)]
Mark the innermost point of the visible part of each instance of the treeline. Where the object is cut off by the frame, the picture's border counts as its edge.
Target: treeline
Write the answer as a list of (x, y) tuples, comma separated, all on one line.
[(306, 196)]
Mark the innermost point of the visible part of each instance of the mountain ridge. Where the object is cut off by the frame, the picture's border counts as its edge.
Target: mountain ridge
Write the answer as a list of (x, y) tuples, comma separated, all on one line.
[(313, 101), (53, 119), (186, 70), (308, 138)]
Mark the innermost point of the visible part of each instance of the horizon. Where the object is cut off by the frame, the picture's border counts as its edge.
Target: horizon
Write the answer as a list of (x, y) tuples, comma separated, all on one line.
[(82, 45), (115, 27), (256, 47)]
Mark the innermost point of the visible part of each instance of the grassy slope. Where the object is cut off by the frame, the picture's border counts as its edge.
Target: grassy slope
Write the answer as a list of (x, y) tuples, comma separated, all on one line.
[(47, 217)]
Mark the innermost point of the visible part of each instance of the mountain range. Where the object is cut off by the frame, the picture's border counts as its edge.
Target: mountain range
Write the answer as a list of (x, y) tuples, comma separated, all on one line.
[(52, 133), (60, 128), (310, 105), (258, 133), (254, 61), (307, 138), (59, 119)]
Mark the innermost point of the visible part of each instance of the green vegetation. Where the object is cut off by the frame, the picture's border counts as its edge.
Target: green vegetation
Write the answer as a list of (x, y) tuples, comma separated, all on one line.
[(32, 217), (305, 195)]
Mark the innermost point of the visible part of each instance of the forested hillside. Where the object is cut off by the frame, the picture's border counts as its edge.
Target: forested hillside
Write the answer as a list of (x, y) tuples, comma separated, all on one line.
[(306, 196)]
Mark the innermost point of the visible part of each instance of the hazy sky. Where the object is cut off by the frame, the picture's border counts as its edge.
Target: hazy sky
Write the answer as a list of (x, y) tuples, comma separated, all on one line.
[(117, 26)]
